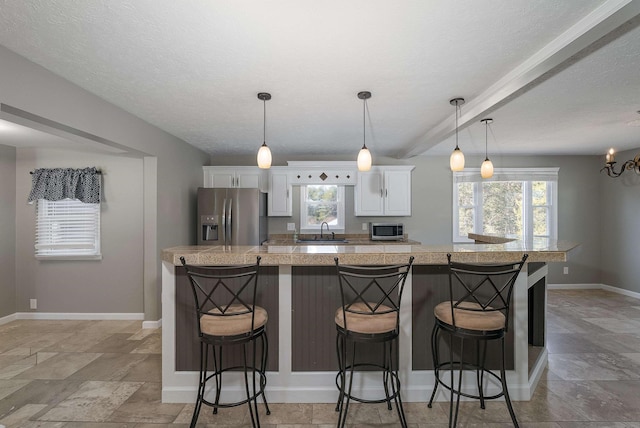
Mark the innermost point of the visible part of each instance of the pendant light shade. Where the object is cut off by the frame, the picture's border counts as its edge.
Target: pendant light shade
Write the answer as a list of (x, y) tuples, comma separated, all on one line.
[(264, 153), (364, 156), (486, 170), (364, 159), (456, 161), (264, 156)]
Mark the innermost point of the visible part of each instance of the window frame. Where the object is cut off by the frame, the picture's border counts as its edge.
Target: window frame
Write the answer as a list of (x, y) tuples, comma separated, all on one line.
[(527, 176), (307, 228), (43, 241)]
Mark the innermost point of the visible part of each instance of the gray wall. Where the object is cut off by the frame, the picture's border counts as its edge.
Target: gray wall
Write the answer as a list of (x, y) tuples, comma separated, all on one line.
[(113, 284), (7, 230), (30, 87), (620, 227), (578, 199)]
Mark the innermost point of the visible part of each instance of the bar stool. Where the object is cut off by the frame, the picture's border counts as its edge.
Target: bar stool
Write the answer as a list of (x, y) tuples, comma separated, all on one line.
[(477, 310), (226, 315), (370, 313)]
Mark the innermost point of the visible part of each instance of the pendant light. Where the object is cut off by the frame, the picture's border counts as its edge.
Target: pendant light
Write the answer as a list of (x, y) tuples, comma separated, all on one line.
[(456, 161), (364, 156), (264, 154), (486, 170)]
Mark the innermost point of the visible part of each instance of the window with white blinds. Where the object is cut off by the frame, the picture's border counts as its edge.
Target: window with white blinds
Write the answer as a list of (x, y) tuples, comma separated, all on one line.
[(67, 229)]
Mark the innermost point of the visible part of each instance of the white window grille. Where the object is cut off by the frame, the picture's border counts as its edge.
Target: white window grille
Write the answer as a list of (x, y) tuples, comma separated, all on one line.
[(322, 203), (518, 202)]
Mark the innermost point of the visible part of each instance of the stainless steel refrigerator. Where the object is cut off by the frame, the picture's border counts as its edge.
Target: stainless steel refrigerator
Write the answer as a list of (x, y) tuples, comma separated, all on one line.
[(232, 216)]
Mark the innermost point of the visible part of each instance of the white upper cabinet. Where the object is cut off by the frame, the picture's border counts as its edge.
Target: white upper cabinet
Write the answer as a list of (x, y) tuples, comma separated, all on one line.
[(280, 199), (384, 191), (369, 200), (250, 177)]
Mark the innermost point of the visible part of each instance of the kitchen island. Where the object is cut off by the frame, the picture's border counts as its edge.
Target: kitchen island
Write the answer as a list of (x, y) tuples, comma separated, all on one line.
[(299, 290)]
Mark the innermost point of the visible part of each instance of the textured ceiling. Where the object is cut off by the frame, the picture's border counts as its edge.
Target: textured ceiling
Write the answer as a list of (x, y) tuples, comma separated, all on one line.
[(193, 68)]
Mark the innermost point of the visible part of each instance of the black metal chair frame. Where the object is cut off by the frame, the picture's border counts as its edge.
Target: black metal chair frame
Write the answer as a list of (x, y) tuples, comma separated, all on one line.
[(351, 294), (205, 281), (500, 300)]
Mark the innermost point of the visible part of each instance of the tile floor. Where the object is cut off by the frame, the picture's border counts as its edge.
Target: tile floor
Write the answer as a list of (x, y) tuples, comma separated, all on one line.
[(106, 374)]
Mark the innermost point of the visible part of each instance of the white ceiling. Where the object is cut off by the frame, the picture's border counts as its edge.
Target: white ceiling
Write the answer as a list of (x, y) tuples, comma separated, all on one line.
[(557, 77)]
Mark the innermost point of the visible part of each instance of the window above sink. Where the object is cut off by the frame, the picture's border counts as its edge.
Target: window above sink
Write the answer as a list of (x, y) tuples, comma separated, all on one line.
[(322, 209)]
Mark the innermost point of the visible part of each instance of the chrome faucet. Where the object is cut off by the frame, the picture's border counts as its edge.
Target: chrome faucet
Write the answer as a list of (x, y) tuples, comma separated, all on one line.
[(321, 226)]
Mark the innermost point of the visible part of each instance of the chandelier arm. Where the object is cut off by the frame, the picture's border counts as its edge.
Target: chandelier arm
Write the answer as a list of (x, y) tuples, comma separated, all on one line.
[(632, 164), (611, 172)]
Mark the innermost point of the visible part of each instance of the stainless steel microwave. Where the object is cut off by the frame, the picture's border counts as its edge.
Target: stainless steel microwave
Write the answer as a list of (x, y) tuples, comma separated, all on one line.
[(386, 231)]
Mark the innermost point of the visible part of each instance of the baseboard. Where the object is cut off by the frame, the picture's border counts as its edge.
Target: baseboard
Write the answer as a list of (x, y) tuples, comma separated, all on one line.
[(152, 324), (78, 316), (8, 319), (574, 286), (621, 291), (594, 287)]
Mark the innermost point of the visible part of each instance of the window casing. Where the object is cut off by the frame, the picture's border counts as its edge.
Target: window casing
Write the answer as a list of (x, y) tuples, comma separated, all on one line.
[(519, 202), (67, 229), (320, 203)]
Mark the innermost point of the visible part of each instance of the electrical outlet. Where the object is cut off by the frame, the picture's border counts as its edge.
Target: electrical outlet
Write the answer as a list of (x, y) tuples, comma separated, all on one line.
[(33, 303), (566, 270), (365, 226), (291, 226)]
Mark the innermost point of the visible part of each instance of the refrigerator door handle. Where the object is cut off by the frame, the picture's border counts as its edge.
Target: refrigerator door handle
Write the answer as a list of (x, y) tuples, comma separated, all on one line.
[(230, 221), (224, 221)]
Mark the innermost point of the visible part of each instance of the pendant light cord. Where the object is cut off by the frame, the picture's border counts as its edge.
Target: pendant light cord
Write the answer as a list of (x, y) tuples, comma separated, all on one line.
[(364, 124), (264, 121), (457, 110), (486, 137)]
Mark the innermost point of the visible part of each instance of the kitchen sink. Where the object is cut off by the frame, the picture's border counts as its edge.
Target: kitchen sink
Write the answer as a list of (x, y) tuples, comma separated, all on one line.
[(322, 241)]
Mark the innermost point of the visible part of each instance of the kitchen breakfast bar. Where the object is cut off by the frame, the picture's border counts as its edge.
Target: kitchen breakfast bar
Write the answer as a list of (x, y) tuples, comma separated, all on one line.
[(298, 288)]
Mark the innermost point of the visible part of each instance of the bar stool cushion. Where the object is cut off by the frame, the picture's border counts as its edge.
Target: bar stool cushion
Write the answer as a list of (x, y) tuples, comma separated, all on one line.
[(475, 319), (368, 322), (232, 325)]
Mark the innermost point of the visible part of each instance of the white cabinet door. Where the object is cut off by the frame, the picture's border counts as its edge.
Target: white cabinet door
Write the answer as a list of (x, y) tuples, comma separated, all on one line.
[(250, 178), (235, 176), (383, 191), (397, 193), (280, 197), (218, 176), (368, 194)]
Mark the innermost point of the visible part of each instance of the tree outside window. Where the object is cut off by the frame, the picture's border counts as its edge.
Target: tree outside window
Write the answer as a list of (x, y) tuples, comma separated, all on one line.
[(322, 203)]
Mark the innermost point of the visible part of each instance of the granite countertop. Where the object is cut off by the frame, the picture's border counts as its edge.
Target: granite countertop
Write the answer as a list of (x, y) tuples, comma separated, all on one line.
[(539, 250)]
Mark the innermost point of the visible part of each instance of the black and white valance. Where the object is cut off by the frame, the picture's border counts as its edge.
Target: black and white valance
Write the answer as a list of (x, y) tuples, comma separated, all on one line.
[(55, 184)]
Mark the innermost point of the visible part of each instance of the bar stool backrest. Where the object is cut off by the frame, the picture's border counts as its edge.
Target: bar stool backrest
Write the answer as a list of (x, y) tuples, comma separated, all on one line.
[(372, 290), (482, 287), (223, 291)]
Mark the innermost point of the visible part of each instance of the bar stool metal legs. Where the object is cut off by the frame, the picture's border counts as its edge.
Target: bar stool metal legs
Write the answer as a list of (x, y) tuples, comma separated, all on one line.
[(253, 389), (390, 380), (452, 365)]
